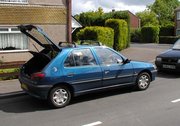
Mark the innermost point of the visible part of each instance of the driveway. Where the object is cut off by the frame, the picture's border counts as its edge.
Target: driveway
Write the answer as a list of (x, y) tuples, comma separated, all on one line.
[(145, 52)]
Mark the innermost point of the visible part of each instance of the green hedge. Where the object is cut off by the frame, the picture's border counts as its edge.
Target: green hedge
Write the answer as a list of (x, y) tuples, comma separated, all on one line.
[(150, 34), (102, 34), (135, 35), (167, 31), (168, 39), (96, 19), (123, 15), (9, 70), (120, 33)]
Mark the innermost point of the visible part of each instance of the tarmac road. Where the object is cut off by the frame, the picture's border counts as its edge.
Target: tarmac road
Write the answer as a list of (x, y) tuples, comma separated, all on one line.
[(157, 106)]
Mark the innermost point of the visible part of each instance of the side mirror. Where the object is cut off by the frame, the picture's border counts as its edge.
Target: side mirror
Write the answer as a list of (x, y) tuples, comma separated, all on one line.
[(127, 61)]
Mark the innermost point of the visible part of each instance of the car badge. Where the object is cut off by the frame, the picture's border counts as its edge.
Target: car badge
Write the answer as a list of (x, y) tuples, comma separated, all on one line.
[(55, 69)]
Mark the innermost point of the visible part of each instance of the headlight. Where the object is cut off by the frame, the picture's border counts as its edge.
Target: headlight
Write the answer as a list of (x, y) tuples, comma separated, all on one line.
[(155, 67), (158, 59), (178, 60)]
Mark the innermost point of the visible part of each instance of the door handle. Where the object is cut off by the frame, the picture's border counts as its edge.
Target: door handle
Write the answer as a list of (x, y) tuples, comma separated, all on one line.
[(70, 74), (106, 72)]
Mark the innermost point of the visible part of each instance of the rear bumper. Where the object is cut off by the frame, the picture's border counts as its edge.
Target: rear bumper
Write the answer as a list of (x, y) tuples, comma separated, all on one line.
[(35, 90)]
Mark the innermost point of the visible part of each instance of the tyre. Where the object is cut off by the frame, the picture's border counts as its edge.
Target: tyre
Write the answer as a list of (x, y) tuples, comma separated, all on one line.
[(59, 97), (143, 81)]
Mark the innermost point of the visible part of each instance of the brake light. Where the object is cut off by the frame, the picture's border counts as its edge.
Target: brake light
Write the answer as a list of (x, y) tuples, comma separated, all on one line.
[(37, 76)]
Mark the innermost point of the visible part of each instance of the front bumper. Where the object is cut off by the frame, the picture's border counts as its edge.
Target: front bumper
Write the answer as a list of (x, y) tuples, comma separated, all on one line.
[(169, 67), (154, 73)]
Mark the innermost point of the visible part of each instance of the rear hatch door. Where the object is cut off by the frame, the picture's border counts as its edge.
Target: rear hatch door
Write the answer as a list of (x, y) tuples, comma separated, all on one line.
[(39, 37)]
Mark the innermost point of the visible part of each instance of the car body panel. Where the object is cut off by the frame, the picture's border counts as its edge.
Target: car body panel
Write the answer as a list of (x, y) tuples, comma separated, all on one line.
[(170, 53)]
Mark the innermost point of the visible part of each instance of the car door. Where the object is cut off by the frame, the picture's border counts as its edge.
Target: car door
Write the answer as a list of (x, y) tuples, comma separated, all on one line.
[(82, 71), (115, 71)]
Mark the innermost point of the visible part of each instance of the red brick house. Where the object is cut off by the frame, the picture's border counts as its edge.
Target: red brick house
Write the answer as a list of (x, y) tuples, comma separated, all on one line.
[(135, 21)]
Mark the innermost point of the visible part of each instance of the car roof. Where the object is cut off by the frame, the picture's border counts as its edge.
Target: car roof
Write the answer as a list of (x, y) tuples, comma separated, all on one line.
[(83, 46)]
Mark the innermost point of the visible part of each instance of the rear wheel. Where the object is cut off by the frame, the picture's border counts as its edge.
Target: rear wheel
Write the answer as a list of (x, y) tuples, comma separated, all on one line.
[(59, 97), (143, 81)]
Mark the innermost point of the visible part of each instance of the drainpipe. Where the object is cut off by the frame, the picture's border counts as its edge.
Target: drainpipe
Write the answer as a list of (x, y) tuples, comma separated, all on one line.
[(69, 21)]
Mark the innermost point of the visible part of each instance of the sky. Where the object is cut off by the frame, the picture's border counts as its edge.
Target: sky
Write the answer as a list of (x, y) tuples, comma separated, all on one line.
[(134, 6)]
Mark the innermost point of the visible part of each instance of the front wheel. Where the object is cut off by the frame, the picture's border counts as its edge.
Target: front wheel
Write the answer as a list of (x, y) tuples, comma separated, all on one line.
[(143, 81), (59, 97)]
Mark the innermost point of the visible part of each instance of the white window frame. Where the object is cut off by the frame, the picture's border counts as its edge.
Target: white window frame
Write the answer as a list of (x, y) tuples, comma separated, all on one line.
[(14, 1), (178, 15), (10, 31), (177, 31)]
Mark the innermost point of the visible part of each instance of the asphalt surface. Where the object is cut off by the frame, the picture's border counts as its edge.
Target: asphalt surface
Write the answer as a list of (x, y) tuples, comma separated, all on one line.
[(121, 107), (159, 105)]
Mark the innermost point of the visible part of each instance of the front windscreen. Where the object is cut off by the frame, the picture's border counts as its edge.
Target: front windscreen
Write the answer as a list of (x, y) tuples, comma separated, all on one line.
[(177, 45)]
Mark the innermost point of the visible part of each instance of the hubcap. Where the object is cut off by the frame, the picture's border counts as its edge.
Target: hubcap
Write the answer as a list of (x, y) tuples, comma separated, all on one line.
[(60, 96), (143, 81)]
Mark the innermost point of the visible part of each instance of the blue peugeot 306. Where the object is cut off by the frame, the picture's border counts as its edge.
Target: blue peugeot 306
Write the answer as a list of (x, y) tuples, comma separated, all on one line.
[(59, 73)]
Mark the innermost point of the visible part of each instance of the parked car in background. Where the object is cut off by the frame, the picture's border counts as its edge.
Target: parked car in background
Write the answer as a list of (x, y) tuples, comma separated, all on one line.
[(170, 59), (60, 73)]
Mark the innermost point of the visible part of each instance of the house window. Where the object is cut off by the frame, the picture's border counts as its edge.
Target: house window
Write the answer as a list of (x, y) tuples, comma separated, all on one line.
[(177, 32), (12, 39), (178, 15), (13, 1)]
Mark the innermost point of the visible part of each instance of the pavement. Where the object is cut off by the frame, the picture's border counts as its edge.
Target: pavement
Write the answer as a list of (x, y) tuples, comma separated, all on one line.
[(141, 52), (10, 88)]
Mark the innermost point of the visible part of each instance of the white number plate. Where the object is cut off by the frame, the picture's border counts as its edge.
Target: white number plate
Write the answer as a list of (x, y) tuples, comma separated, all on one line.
[(169, 66)]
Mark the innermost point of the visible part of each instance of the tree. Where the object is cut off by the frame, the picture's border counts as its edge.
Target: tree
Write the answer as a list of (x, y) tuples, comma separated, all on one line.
[(148, 18), (164, 10)]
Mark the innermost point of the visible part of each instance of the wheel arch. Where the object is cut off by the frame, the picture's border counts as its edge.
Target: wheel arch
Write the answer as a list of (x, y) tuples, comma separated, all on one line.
[(71, 89), (147, 71)]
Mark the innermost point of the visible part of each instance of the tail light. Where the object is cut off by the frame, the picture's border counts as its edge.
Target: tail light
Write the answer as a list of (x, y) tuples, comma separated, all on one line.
[(37, 76)]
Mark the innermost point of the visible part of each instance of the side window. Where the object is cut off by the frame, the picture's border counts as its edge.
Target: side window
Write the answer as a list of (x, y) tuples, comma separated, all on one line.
[(107, 56), (81, 57), (69, 62)]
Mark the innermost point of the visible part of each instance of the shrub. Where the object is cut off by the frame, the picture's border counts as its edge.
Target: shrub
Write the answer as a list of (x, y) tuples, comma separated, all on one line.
[(97, 33), (99, 19), (120, 33), (150, 34), (74, 35), (166, 31), (135, 35), (168, 39), (123, 15), (9, 70)]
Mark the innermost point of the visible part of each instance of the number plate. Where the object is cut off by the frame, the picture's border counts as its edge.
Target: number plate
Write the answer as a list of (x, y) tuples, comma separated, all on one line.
[(169, 66), (24, 86)]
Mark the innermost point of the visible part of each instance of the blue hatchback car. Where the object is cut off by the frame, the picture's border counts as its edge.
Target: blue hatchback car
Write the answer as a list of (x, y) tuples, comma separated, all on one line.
[(59, 73)]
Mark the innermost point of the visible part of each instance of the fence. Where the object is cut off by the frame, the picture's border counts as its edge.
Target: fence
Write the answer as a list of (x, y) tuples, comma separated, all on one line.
[(8, 65)]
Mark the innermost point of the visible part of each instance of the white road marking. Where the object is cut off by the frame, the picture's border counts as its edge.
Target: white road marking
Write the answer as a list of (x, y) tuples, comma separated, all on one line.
[(93, 124), (175, 101)]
